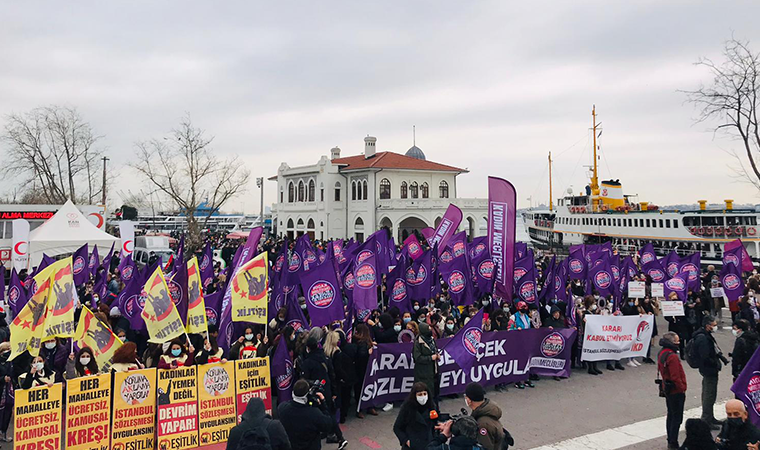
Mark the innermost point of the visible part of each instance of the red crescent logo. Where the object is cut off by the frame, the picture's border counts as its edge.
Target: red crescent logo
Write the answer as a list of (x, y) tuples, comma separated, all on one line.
[(100, 219), (16, 248), (126, 250)]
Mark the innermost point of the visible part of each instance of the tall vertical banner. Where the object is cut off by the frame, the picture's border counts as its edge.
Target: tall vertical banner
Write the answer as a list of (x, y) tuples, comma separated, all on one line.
[(446, 228), (250, 287), (216, 401), (252, 380), (88, 419), (177, 408), (37, 419), (134, 410), (127, 234), (502, 217), (20, 249)]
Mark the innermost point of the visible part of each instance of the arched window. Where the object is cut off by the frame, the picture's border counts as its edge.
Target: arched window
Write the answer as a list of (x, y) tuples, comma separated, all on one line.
[(310, 224), (353, 190), (444, 189), (404, 189), (301, 191), (359, 224), (290, 224), (364, 190), (291, 193), (425, 190), (385, 189), (414, 189), (312, 190), (337, 191)]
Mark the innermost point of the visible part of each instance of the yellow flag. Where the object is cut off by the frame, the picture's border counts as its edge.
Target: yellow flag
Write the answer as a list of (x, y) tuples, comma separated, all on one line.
[(250, 291), (59, 321), (160, 314), (196, 306), (93, 333), (26, 328)]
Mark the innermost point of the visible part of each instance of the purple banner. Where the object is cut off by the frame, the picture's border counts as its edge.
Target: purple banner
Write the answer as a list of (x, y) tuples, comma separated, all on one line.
[(745, 260), (206, 264), (395, 286), (79, 266), (321, 290), (677, 284), (282, 372), (502, 210), (17, 296), (127, 268), (466, 344), (448, 226), (365, 284), (747, 388), (413, 247), (503, 357), (731, 279)]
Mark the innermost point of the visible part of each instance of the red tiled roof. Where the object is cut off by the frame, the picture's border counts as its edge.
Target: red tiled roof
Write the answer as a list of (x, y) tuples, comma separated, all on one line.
[(390, 160)]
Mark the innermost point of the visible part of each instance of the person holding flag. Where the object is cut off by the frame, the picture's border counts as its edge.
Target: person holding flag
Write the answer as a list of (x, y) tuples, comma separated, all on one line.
[(425, 355), (39, 374)]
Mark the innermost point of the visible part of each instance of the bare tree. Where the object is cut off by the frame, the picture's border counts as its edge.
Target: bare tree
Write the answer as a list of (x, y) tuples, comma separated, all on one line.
[(731, 100), (54, 151), (183, 167)]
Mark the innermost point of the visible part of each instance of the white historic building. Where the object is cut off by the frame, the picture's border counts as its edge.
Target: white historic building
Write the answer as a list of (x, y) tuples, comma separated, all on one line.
[(343, 197)]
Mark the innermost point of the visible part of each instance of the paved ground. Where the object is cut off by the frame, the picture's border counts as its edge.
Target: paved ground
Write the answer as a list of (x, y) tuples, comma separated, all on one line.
[(610, 411)]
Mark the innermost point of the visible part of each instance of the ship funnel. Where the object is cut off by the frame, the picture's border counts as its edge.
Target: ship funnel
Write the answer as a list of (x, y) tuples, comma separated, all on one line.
[(702, 204), (644, 205), (729, 204)]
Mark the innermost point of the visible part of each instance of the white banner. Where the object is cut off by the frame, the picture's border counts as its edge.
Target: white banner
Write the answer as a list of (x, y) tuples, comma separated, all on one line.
[(637, 289), (658, 290), (672, 308), (616, 337), (20, 249), (127, 235), (717, 292)]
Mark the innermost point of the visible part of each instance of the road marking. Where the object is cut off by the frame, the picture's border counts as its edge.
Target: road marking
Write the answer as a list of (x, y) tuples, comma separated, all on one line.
[(626, 435), (370, 443)]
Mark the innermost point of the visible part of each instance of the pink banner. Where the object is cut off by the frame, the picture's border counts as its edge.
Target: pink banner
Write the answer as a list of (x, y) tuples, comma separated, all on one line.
[(502, 217), (448, 226)]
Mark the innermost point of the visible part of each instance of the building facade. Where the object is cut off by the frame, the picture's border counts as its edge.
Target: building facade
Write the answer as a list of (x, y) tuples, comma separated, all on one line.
[(344, 197)]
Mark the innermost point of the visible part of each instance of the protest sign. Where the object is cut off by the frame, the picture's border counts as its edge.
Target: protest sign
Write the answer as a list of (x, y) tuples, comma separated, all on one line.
[(636, 289), (216, 401), (252, 380), (616, 337), (88, 404), (503, 357), (672, 308), (716, 292), (134, 410), (658, 290), (177, 408), (37, 421)]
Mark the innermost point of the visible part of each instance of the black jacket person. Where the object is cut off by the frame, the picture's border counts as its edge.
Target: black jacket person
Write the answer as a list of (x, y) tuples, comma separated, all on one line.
[(305, 423), (255, 416)]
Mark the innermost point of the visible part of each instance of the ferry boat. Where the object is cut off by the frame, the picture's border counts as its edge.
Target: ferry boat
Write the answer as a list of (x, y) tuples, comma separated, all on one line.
[(603, 213)]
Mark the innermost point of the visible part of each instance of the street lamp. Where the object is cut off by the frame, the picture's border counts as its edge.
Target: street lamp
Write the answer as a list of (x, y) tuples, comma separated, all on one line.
[(260, 185)]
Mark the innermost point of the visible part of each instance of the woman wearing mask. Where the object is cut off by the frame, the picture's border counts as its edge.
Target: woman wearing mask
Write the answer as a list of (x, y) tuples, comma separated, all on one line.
[(82, 364), (39, 374), (385, 333), (125, 358), (211, 353), (413, 426), (246, 346), (364, 346), (176, 356), (590, 308), (425, 354), (520, 320), (450, 328), (406, 318), (55, 355)]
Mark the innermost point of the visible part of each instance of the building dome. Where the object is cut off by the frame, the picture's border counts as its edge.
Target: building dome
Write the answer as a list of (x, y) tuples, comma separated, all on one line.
[(416, 153)]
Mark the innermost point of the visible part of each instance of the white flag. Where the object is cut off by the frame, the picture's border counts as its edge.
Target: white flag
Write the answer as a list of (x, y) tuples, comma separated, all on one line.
[(20, 249), (127, 234)]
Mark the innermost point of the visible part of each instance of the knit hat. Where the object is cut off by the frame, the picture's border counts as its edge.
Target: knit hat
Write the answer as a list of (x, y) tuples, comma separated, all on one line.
[(475, 392)]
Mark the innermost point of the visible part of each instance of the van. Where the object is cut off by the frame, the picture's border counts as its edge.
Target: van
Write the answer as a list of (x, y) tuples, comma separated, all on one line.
[(148, 248)]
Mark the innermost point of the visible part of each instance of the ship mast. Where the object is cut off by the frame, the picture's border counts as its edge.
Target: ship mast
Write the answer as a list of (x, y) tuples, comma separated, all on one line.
[(594, 177), (551, 205)]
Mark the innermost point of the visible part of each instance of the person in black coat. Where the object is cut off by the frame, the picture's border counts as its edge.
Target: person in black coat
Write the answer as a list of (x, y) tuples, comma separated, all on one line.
[(709, 367), (413, 426), (384, 333), (305, 423), (346, 359), (461, 434), (255, 416), (317, 366), (744, 347)]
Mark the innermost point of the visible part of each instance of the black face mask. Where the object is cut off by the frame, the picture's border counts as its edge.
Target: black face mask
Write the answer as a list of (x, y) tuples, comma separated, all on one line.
[(735, 422)]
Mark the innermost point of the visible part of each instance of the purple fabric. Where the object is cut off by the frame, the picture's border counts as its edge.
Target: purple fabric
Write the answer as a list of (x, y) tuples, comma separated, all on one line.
[(17, 295), (418, 277), (457, 275), (731, 279), (178, 283), (746, 388), (577, 265), (446, 228), (629, 267), (671, 263), (395, 286), (691, 265), (547, 286), (366, 280), (79, 265), (463, 346), (647, 257), (521, 249), (654, 271), (560, 282), (525, 287), (746, 261), (305, 251), (677, 284), (522, 266), (282, 372), (206, 265), (106, 263), (506, 357), (213, 307), (295, 316), (502, 211), (94, 261), (413, 247), (127, 268), (131, 303), (427, 233), (322, 292), (734, 256), (600, 276)]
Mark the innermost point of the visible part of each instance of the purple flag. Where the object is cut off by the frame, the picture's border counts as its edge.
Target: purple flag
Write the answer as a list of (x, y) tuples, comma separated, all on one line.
[(525, 287), (745, 260), (522, 266), (94, 261), (2, 283), (295, 317), (131, 301), (577, 265), (547, 286), (306, 252), (747, 388), (395, 286), (647, 256), (560, 281), (106, 263), (206, 265), (458, 245), (17, 296), (629, 267), (213, 307), (427, 233), (690, 266), (127, 268), (601, 277), (177, 284), (731, 279), (446, 228), (463, 347), (365, 283), (419, 275), (79, 266), (322, 293), (413, 247), (502, 210), (654, 271), (671, 264), (282, 372), (458, 277), (521, 249), (677, 284)]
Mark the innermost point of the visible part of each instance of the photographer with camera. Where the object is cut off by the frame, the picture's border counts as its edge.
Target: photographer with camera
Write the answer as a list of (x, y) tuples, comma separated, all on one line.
[(306, 417), (708, 357), (461, 434), (672, 385)]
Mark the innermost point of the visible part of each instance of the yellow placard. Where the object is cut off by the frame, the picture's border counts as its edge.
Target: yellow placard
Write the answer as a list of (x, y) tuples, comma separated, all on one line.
[(216, 401), (88, 419), (133, 422), (38, 417), (252, 380), (250, 287), (177, 408)]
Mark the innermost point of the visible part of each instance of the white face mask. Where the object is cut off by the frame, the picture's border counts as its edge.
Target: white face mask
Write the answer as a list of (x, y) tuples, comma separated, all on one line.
[(50, 345), (39, 366), (84, 360), (450, 326), (397, 328), (249, 337), (736, 333), (303, 306), (416, 307), (422, 399)]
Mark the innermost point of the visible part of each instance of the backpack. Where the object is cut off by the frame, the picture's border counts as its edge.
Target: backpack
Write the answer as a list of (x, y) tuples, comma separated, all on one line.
[(256, 438), (691, 354)]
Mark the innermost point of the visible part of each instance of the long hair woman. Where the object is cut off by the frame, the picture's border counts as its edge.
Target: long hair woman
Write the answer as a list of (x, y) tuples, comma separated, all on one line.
[(414, 426)]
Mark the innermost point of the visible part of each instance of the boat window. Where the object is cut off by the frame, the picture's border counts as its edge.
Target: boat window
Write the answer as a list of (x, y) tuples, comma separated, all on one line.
[(712, 221), (667, 223), (660, 223), (648, 225), (732, 220), (691, 221), (675, 223), (751, 220), (596, 222)]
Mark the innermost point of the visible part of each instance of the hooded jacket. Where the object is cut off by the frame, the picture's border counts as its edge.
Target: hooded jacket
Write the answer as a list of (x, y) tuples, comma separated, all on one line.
[(255, 416), (490, 432), (669, 365), (552, 322), (709, 364), (744, 347), (425, 368)]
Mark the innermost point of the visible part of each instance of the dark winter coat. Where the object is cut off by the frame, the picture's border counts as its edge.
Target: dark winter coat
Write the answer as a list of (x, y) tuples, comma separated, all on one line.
[(413, 424), (255, 416), (55, 359), (744, 347), (709, 364), (488, 415), (425, 368), (456, 443), (305, 424), (317, 366)]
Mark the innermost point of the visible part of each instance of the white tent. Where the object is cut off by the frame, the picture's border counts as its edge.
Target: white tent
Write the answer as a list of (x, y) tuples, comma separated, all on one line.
[(65, 232)]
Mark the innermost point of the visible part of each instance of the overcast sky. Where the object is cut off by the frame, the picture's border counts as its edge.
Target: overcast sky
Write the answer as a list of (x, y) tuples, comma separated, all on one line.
[(491, 85)]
